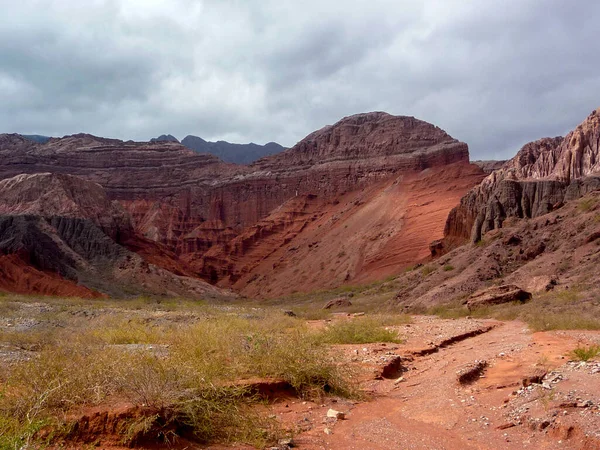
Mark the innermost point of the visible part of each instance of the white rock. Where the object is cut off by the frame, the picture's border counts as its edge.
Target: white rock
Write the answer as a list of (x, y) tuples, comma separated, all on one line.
[(336, 414)]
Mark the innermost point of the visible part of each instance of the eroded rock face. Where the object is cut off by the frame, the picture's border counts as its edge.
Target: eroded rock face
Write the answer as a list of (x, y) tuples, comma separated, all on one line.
[(61, 235), (232, 224), (539, 179)]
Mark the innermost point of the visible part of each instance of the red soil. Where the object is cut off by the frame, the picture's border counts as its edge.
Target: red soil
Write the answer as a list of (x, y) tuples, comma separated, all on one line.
[(314, 243), (19, 277)]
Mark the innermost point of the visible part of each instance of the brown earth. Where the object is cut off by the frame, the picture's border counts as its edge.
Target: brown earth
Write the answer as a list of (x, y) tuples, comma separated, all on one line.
[(426, 407), (556, 252)]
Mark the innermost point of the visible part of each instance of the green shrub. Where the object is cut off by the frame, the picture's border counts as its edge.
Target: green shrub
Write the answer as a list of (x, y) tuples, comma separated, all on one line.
[(427, 270), (586, 353), (363, 330)]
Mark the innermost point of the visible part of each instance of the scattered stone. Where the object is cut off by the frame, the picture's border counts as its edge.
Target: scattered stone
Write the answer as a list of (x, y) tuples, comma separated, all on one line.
[(328, 431), (287, 442), (513, 239), (289, 313), (471, 372), (533, 251), (536, 377), (336, 414), (399, 380)]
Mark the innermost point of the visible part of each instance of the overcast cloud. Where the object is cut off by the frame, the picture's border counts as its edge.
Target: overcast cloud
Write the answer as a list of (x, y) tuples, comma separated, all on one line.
[(493, 73)]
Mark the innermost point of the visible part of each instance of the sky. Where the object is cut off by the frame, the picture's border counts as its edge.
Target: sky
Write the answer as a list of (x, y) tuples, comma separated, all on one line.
[(495, 74)]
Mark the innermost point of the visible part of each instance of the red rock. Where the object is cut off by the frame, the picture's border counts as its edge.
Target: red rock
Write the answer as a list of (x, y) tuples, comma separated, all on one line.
[(541, 177), (64, 231), (373, 185), (497, 295), (341, 302)]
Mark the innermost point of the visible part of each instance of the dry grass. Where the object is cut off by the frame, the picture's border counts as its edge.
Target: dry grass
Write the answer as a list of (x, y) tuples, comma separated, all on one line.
[(188, 364), (587, 204), (362, 330), (586, 353)]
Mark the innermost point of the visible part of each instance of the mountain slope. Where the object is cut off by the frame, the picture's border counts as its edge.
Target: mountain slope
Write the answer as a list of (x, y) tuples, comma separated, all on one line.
[(540, 178), (232, 153), (390, 180), (61, 234), (533, 223)]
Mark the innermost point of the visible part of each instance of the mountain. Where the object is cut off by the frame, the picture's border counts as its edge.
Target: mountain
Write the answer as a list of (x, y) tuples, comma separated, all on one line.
[(356, 200), (165, 138), (233, 153), (37, 138), (61, 235), (533, 223)]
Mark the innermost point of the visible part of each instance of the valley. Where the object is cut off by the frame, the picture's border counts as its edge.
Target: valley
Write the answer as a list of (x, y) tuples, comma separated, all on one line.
[(369, 287)]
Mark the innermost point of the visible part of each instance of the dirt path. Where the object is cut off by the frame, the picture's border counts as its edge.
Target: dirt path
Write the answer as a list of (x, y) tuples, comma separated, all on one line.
[(430, 409)]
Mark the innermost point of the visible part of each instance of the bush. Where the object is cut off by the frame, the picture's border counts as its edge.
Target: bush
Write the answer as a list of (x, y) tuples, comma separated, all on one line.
[(190, 372), (427, 270), (362, 330), (586, 353)]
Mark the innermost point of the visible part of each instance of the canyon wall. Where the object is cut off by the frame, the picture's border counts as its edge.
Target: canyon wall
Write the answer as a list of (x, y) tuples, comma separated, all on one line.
[(540, 178), (233, 224)]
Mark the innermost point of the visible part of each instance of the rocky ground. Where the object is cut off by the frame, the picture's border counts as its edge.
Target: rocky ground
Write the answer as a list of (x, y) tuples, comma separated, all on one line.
[(451, 384), (529, 394)]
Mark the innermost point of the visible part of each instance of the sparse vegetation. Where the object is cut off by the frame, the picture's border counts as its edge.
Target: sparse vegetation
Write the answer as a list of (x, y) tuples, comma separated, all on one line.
[(363, 330), (564, 309), (586, 353), (189, 370), (587, 204), (448, 268), (427, 270)]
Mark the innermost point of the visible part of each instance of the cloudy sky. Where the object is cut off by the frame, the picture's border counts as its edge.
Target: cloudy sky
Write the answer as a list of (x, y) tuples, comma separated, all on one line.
[(493, 73)]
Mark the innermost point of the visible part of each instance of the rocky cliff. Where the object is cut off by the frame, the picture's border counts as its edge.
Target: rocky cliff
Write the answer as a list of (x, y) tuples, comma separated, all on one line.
[(61, 235), (232, 224), (540, 178)]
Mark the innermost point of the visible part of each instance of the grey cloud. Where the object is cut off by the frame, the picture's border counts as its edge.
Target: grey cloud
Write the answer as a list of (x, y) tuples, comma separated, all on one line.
[(495, 74)]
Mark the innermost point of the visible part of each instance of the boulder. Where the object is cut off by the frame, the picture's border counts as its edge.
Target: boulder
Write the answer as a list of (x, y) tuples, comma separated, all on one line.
[(340, 302), (497, 295)]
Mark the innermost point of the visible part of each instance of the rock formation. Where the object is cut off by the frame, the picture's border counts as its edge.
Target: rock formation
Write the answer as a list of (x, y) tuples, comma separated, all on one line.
[(372, 190), (497, 295), (61, 235), (489, 166), (540, 178)]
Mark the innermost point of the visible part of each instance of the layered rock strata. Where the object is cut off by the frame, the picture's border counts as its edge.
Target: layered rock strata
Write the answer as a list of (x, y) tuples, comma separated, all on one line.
[(233, 224), (63, 235), (540, 178)]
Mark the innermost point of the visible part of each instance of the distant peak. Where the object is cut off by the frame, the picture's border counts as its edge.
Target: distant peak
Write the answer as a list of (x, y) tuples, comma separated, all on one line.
[(165, 138)]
